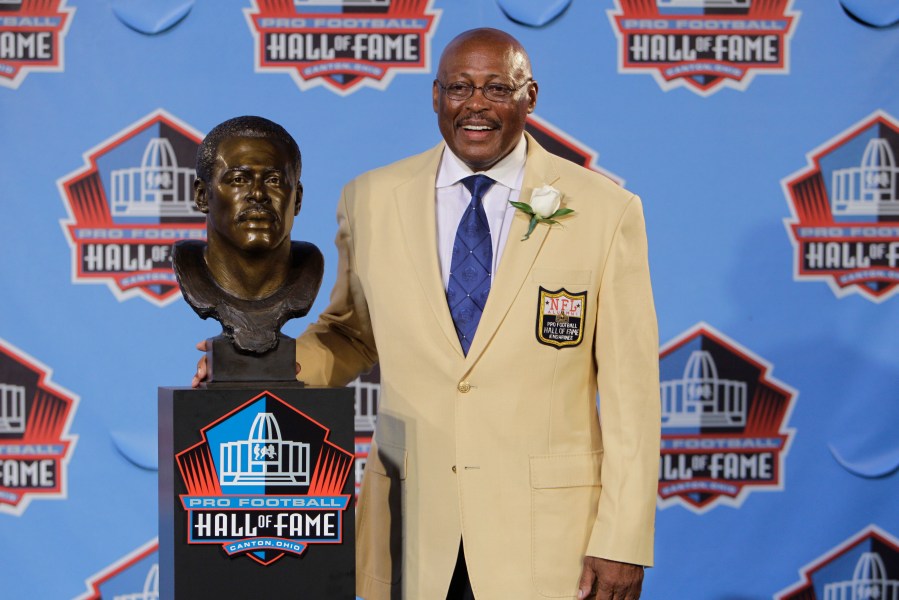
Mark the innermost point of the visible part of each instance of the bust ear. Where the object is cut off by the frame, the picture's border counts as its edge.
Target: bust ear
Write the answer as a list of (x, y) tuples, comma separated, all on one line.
[(299, 200), (200, 199)]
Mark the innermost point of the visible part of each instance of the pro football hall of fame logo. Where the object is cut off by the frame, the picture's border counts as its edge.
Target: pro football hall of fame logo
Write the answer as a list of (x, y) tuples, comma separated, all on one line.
[(35, 445), (864, 567), (132, 577), (845, 205), (129, 203), (265, 481), (723, 422), (705, 45), (31, 38), (342, 44)]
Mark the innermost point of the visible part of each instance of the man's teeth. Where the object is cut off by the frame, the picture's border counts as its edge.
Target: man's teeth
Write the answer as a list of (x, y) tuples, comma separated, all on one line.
[(476, 127)]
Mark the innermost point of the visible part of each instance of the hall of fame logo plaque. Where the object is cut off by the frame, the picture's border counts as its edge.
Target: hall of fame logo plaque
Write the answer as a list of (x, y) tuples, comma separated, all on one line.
[(724, 418), (703, 45), (129, 203), (265, 482), (32, 33), (343, 45), (845, 205), (35, 444)]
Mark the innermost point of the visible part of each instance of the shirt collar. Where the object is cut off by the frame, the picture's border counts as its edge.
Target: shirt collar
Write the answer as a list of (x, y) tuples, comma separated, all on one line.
[(508, 172)]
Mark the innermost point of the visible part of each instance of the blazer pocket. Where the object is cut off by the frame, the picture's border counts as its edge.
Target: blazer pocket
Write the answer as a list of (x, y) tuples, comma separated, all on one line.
[(379, 526), (562, 276), (565, 491)]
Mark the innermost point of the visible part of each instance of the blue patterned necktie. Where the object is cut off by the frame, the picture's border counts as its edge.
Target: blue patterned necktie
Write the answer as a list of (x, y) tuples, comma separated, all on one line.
[(472, 263)]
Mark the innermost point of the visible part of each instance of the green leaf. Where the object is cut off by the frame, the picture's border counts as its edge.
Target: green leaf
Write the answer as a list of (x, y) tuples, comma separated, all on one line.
[(522, 207), (550, 221), (531, 226), (561, 212)]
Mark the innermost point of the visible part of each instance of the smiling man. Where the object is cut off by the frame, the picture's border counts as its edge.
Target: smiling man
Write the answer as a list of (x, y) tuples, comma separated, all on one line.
[(491, 475)]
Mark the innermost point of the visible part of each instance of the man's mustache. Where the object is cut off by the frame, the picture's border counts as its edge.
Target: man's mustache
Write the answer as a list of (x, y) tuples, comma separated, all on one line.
[(255, 212)]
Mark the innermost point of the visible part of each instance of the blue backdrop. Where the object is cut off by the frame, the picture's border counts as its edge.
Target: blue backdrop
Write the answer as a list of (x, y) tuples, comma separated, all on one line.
[(762, 136)]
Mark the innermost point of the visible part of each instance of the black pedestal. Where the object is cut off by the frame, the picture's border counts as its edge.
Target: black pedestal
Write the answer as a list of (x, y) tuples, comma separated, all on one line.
[(256, 493)]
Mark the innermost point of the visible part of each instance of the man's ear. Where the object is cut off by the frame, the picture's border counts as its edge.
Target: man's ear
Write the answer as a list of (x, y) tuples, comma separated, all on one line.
[(299, 201), (435, 96), (200, 200)]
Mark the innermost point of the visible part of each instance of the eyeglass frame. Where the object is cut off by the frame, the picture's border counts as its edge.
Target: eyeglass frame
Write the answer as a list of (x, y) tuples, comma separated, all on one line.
[(483, 89)]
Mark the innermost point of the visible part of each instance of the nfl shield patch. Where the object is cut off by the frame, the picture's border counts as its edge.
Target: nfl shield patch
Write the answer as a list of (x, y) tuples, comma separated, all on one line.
[(560, 317)]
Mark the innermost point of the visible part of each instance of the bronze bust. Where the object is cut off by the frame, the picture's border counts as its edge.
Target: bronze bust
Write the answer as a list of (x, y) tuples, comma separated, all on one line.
[(249, 275)]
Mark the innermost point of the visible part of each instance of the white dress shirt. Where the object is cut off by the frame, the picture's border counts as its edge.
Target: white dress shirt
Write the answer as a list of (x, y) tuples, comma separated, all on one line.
[(453, 198)]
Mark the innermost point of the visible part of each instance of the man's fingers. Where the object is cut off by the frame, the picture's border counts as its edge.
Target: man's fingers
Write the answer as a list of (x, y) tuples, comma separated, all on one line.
[(585, 585), (200, 375)]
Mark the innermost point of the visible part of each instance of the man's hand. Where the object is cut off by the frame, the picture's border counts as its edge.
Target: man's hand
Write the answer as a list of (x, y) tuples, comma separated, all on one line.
[(202, 372), (612, 580)]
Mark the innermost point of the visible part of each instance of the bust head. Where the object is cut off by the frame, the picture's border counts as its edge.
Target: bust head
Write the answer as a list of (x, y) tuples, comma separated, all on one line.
[(249, 275), (248, 185)]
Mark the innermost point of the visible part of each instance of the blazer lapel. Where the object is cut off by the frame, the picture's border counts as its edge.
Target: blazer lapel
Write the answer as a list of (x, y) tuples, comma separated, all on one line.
[(518, 256), (416, 204)]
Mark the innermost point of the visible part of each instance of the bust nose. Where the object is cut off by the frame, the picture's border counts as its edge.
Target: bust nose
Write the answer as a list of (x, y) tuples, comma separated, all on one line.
[(257, 191)]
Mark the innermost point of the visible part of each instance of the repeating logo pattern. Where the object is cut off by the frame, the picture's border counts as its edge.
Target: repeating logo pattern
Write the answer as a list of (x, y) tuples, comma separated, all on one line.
[(265, 481), (342, 44), (132, 577), (723, 422), (129, 203), (845, 205), (35, 444), (367, 390), (864, 567), (704, 45), (32, 33)]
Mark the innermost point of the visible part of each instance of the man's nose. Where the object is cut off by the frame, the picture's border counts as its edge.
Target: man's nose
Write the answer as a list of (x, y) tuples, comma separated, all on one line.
[(258, 192), (477, 100)]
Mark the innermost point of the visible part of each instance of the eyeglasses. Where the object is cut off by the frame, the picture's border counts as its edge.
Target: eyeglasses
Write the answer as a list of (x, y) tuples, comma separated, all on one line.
[(495, 92)]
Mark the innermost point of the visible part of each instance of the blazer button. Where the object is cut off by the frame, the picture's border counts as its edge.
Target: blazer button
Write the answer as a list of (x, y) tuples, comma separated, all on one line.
[(454, 468), (464, 387)]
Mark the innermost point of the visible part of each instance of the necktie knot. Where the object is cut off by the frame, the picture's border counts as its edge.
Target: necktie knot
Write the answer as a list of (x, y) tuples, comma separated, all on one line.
[(478, 186)]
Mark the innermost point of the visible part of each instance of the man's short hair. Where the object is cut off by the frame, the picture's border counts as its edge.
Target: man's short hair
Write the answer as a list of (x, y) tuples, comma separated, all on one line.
[(247, 127)]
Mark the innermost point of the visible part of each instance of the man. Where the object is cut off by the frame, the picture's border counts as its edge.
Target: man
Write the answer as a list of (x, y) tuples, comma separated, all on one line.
[(489, 476), (249, 275)]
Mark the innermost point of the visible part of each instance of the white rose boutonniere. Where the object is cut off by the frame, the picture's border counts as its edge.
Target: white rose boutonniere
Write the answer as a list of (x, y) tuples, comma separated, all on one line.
[(544, 207)]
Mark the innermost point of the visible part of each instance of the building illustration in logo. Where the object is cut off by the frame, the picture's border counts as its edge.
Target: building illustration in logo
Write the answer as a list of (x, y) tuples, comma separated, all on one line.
[(864, 567), (134, 576), (703, 4), (845, 207), (35, 444), (703, 45), (869, 580), (265, 481), (724, 421), (156, 188), (12, 408), (701, 399), (129, 203), (264, 458), (367, 389), (32, 36), (871, 188), (343, 45)]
